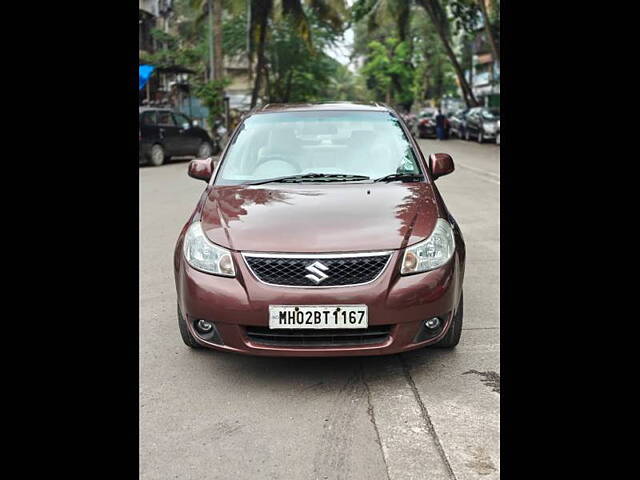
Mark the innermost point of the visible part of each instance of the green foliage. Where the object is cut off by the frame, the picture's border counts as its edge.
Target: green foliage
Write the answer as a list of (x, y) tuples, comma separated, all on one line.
[(404, 59), (389, 71), (434, 76), (466, 15), (296, 73), (210, 93)]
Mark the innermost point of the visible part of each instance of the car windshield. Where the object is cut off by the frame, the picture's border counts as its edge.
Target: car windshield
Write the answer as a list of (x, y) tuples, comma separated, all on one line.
[(428, 114), (336, 144), (491, 114)]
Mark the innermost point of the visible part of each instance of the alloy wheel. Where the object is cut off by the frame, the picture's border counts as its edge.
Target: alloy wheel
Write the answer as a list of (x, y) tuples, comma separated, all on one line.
[(157, 155)]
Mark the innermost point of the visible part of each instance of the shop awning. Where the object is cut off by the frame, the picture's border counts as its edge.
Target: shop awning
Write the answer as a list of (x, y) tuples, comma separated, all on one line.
[(144, 72)]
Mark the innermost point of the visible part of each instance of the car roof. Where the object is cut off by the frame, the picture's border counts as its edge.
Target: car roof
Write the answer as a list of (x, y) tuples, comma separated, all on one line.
[(321, 106), (154, 109)]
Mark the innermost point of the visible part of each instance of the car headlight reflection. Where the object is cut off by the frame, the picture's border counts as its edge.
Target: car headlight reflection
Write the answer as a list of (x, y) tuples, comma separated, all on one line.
[(203, 255), (431, 253)]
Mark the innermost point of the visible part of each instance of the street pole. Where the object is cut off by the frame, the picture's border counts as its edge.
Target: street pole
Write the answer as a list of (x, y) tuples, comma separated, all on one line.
[(210, 40)]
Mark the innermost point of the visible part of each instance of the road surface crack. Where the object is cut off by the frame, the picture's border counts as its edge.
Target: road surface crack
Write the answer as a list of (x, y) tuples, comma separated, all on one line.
[(426, 417), (372, 417)]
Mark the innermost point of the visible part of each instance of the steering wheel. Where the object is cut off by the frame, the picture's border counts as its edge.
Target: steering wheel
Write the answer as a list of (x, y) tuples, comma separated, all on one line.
[(277, 157)]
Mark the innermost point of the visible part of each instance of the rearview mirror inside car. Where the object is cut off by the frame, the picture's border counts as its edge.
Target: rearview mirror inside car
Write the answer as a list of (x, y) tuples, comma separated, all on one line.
[(202, 169), (440, 164)]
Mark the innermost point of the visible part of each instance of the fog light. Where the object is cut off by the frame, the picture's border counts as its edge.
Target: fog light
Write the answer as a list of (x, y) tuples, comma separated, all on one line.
[(432, 323), (203, 326)]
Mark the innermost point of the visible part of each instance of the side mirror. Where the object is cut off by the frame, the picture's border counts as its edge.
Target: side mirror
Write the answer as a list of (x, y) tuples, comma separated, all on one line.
[(202, 169), (440, 164)]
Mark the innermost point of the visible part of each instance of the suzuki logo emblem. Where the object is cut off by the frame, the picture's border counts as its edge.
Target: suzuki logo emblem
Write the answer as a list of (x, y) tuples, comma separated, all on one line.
[(317, 275)]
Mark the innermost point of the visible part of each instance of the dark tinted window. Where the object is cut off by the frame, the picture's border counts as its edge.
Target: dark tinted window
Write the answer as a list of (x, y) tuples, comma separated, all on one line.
[(148, 118), (165, 118), (181, 120)]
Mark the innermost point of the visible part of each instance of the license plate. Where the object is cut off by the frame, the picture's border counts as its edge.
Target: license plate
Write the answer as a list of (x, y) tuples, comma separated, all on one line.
[(318, 316)]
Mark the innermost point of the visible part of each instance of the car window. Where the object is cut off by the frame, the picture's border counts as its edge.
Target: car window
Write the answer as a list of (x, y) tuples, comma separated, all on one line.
[(165, 118), (271, 145), (181, 119), (491, 114), (148, 118)]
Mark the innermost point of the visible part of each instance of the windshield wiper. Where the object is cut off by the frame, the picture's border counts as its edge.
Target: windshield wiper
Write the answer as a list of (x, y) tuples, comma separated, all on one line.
[(310, 176), (400, 176)]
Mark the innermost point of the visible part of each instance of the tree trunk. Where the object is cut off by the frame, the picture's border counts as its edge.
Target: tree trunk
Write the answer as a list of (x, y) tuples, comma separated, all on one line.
[(267, 85), (260, 65), (218, 64), (438, 18), (487, 27), (287, 92)]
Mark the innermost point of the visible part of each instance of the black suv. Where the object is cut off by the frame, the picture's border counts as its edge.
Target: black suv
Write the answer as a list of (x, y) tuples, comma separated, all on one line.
[(482, 123), (165, 134)]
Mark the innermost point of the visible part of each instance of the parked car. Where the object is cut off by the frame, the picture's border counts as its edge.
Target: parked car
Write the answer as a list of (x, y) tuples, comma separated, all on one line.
[(482, 123), (426, 124), (164, 134), (320, 232), (411, 120), (457, 122)]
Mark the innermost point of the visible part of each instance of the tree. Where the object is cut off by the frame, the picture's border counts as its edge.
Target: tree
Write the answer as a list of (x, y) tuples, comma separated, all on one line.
[(203, 7), (262, 11), (294, 75), (488, 27), (440, 21), (434, 76), (395, 15), (388, 66)]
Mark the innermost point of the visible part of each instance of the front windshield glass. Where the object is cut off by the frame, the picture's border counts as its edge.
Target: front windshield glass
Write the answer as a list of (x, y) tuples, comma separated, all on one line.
[(491, 114), (272, 145)]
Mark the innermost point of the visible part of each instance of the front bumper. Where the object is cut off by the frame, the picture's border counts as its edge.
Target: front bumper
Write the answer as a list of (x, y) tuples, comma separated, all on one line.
[(489, 135), (402, 302)]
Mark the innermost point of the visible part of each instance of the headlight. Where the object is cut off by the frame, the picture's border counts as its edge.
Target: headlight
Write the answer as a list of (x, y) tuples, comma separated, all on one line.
[(203, 255), (489, 127), (431, 253)]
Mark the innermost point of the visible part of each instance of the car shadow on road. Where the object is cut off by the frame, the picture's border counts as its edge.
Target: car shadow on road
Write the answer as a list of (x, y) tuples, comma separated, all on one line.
[(314, 372)]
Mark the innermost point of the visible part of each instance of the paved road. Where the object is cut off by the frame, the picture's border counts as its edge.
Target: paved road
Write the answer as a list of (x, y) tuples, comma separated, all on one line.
[(427, 414)]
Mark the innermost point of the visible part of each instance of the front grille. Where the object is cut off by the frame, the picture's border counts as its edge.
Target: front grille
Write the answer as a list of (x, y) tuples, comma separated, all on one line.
[(319, 338), (333, 272)]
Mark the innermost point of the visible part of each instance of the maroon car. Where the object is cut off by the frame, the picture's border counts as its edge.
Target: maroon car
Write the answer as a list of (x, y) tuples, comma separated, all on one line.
[(320, 233)]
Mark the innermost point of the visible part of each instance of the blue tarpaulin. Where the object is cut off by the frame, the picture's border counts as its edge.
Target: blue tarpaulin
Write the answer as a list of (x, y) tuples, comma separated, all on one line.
[(144, 72)]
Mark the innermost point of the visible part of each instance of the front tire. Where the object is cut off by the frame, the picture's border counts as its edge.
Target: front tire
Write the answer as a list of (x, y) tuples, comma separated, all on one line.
[(187, 338), (156, 157), (452, 338)]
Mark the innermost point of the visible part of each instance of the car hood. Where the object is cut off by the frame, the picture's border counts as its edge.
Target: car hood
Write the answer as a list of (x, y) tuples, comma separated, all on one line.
[(312, 218)]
